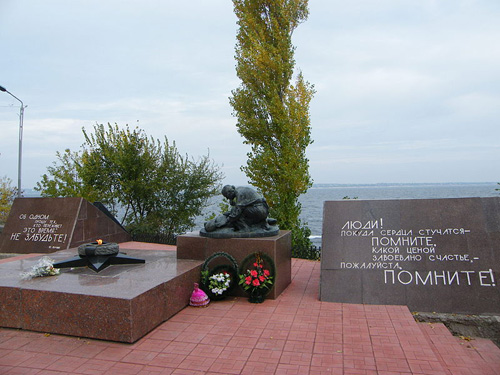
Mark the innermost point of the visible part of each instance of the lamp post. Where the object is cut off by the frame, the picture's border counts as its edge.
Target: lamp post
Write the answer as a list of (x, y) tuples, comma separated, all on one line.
[(21, 117)]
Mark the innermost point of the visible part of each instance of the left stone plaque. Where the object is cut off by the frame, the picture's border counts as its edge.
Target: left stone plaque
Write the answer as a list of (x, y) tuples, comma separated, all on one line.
[(46, 225)]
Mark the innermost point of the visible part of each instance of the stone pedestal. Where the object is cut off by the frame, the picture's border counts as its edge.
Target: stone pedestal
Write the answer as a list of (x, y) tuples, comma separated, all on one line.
[(279, 248)]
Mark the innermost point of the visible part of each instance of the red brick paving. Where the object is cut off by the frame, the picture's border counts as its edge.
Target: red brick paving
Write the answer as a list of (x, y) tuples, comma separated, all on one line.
[(294, 334)]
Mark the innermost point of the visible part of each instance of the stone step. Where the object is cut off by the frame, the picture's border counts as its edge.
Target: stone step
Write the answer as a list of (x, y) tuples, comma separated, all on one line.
[(461, 355)]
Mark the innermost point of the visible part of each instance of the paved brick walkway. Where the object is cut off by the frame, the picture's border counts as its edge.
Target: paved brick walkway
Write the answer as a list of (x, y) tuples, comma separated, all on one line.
[(295, 334)]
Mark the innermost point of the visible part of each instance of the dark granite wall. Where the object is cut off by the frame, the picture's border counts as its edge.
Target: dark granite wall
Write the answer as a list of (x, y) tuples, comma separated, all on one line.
[(439, 255)]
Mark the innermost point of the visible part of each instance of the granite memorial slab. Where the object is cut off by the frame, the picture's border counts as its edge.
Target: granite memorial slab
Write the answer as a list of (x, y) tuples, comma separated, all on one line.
[(436, 255), (46, 225), (121, 303)]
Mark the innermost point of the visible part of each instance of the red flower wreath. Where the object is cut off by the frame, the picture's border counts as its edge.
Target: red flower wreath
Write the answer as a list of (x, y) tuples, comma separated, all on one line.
[(257, 278)]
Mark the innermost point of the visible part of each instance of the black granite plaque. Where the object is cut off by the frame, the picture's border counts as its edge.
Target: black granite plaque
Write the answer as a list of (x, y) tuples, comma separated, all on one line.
[(438, 255), (46, 225)]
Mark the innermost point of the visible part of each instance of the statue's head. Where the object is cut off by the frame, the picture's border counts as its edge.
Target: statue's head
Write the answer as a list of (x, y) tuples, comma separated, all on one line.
[(229, 191)]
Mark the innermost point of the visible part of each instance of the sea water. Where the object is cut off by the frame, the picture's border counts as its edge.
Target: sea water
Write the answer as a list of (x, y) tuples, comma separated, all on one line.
[(312, 201)]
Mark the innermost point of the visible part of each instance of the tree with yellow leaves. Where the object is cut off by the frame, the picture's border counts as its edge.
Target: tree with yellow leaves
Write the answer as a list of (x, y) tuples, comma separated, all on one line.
[(272, 113)]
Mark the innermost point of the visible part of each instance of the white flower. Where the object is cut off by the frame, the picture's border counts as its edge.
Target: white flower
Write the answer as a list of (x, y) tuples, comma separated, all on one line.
[(219, 282), (44, 267)]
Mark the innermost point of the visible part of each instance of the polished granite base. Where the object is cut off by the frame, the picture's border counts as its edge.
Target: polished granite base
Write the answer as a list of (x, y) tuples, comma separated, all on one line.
[(278, 248), (121, 303)]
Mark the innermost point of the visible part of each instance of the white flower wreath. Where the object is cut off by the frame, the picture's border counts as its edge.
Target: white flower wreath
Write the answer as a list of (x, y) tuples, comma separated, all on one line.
[(219, 282)]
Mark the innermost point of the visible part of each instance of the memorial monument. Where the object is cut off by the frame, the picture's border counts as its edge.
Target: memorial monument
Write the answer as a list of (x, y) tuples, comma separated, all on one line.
[(243, 230), (104, 290)]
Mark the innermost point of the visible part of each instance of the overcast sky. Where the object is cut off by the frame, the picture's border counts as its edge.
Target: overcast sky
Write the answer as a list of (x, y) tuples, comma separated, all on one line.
[(407, 91)]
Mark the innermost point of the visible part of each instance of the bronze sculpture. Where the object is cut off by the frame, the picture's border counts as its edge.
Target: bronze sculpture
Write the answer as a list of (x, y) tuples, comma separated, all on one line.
[(248, 216)]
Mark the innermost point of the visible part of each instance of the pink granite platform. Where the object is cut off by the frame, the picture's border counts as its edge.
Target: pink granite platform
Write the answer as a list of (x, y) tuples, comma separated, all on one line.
[(121, 303)]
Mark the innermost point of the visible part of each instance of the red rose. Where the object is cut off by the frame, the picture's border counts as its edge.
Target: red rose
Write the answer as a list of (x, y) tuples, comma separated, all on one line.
[(266, 272), (255, 264), (253, 273), (256, 282), (262, 278)]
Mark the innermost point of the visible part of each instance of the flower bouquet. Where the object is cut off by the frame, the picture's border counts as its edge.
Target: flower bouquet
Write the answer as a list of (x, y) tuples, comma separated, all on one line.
[(219, 282), (258, 278), (44, 267)]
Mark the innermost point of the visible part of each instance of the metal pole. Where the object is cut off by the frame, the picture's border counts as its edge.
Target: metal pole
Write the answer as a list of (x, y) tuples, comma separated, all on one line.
[(20, 161), (21, 120)]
